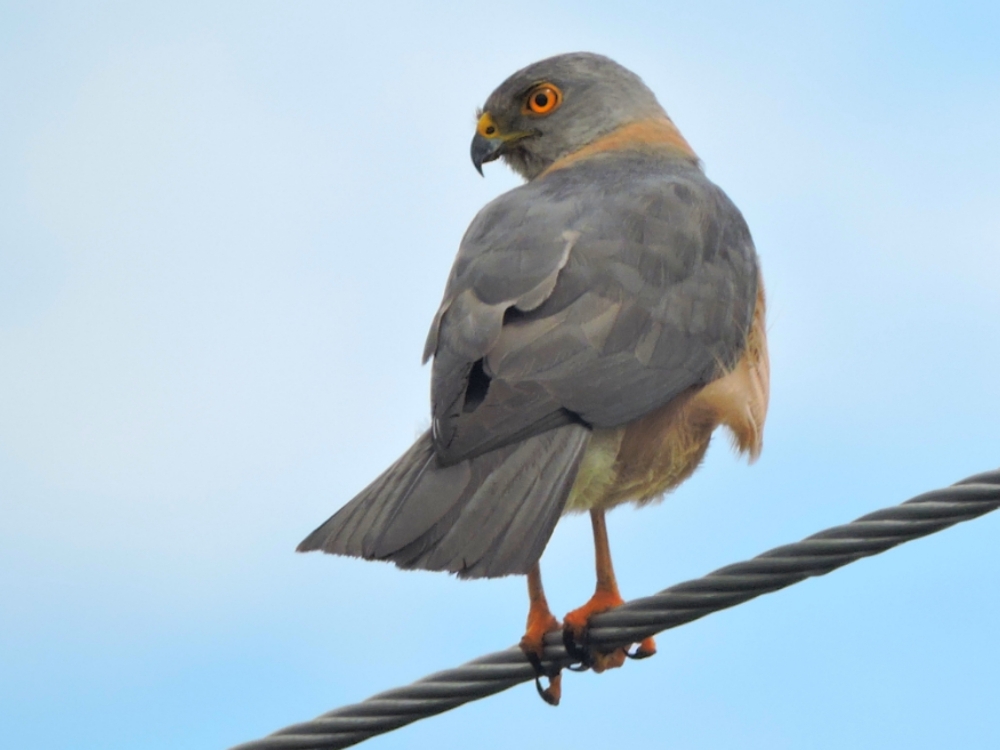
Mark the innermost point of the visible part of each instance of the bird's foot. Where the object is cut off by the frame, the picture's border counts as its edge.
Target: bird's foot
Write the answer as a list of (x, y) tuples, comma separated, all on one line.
[(532, 644), (575, 633)]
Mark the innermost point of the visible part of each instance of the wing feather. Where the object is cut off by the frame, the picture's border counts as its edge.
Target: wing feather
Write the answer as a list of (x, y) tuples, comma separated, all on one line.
[(596, 294)]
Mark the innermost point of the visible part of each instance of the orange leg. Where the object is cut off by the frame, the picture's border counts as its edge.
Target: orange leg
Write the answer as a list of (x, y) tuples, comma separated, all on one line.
[(605, 597), (540, 621)]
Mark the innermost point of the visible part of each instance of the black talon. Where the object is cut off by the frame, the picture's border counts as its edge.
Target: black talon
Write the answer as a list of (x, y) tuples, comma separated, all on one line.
[(576, 652), (545, 694), (637, 655)]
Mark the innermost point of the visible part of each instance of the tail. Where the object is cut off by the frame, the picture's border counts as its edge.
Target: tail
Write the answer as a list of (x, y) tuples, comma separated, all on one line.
[(484, 517)]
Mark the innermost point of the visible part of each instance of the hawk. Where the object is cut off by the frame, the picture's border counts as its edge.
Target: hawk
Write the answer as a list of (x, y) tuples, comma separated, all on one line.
[(600, 321)]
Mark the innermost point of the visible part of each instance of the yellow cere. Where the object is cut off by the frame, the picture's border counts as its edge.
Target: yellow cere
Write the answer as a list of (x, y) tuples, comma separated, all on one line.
[(486, 127)]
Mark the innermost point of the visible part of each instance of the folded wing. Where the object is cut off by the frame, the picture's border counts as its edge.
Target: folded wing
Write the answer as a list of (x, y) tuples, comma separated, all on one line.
[(592, 296)]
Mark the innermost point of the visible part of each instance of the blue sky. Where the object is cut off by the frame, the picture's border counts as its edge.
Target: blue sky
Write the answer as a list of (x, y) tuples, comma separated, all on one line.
[(223, 232)]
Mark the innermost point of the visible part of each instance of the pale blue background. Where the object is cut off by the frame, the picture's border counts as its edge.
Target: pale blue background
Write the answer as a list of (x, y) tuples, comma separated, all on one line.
[(223, 232)]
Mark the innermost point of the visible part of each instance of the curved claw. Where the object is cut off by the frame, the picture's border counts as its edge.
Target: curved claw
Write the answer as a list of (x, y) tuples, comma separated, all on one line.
[(589, 657), (540, 622), (576, 651), (575, 640), (644, 650), (553, 692)]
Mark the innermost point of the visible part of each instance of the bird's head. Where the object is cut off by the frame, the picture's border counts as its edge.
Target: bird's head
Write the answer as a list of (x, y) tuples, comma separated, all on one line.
[(556, 107)]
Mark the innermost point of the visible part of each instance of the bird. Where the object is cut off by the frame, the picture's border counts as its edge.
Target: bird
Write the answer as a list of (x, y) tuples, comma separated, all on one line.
[(600, 321)]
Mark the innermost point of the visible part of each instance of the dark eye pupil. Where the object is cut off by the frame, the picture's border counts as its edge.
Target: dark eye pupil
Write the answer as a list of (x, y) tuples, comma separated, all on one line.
[(541, 100), (490, 130)]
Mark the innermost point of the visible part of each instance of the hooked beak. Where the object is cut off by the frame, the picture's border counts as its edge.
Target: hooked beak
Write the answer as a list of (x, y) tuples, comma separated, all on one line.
[(485, 150), (489, 143)]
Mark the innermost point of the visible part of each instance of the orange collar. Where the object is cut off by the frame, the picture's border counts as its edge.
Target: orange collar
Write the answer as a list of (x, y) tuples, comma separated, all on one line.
[(660, 134)]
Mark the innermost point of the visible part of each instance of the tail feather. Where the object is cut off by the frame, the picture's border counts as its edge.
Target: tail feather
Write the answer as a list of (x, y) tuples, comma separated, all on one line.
[(487, 516)]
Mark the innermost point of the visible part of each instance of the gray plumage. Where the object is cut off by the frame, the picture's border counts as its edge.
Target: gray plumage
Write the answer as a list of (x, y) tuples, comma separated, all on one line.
[(588, 297), (483, 517), (600, 96), (596, 294)]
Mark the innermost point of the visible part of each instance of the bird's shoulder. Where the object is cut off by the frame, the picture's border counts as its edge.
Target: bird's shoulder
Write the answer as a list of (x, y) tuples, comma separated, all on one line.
[(602, 209)]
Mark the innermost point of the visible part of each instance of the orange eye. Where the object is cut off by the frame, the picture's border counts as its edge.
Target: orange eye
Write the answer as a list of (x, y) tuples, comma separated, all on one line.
[(543, 99)]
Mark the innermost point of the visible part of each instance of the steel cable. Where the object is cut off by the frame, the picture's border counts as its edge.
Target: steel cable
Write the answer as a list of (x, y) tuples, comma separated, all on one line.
[(734, 584)]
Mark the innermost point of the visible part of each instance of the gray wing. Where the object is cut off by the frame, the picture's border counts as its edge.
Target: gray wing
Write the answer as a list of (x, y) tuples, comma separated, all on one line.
[(593, 295)]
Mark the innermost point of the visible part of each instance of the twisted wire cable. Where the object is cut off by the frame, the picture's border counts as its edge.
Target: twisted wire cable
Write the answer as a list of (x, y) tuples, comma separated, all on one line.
[(630, 623)]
